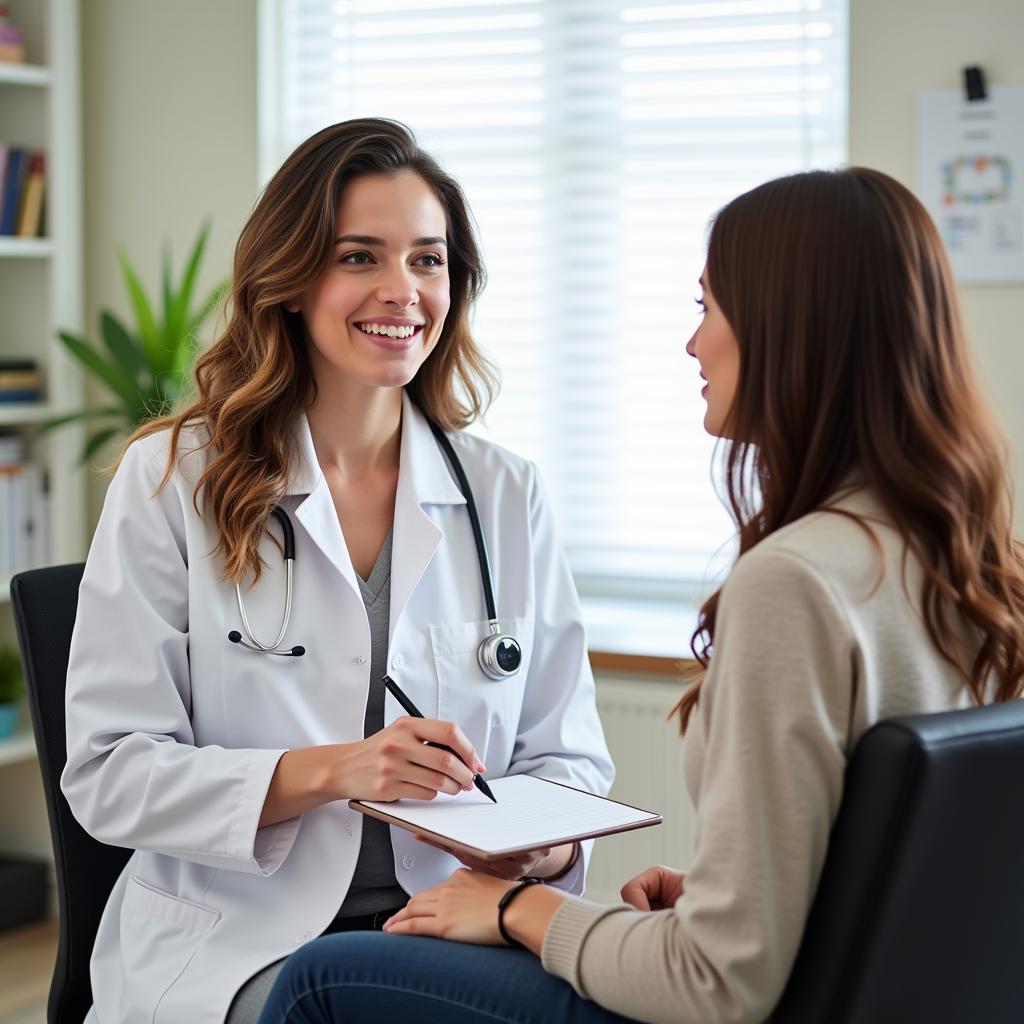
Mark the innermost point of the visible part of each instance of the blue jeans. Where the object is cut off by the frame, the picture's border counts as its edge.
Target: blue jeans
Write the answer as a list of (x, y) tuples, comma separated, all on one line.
[(371, 976)]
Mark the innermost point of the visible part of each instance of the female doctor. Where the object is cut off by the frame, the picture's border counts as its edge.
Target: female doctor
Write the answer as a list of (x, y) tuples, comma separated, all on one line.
[(267, 554)]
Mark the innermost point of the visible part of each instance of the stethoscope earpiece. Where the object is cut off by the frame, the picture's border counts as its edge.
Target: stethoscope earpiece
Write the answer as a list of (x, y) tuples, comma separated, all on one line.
[(236, 638), (249, 641)]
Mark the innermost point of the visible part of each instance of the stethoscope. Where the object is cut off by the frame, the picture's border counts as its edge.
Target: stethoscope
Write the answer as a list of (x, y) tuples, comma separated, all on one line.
[(499, 654)]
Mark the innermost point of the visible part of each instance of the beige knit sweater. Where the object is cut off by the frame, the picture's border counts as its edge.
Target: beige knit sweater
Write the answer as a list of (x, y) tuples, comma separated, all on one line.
[(811, 648)]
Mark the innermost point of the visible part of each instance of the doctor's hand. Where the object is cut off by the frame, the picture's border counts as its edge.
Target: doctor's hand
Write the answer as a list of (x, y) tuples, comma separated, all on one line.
[(657, 888), (549, 862), (396, 762)]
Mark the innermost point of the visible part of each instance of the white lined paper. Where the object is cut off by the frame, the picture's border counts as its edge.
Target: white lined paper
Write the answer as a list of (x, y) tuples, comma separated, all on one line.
[(530, 813)]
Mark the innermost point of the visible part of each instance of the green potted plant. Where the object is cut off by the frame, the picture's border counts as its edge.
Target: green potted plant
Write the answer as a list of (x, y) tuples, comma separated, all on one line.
[(145, 369), (11, 689)]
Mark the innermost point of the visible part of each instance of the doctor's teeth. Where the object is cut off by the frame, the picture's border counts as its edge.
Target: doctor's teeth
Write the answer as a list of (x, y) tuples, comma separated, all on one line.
[(390, 330)]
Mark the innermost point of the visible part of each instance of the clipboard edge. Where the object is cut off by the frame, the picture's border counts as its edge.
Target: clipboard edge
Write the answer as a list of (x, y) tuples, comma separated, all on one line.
[(493, 855)]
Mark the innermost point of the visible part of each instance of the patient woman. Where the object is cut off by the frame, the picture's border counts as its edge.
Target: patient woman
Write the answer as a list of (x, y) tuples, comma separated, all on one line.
[(876, 576)]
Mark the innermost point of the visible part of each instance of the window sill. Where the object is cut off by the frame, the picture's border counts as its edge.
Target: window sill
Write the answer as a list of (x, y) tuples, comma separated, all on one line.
[(638, 636)]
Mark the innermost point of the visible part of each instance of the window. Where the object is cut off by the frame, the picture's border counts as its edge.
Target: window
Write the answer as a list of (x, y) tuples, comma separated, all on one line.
[(595, 139)]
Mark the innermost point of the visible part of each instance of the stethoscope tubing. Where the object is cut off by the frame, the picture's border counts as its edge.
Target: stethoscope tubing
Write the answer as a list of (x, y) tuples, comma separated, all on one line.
[(474, 519), (249, 641), (499, 656)]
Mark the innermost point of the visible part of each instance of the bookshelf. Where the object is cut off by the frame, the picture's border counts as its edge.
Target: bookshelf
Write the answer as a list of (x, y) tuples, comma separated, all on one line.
[(41, 290), (25, 248), (25, 74)]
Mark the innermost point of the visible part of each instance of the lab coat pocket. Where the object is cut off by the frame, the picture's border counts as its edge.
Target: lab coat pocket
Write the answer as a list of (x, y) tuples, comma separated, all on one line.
[(160, 933), (487, 709)]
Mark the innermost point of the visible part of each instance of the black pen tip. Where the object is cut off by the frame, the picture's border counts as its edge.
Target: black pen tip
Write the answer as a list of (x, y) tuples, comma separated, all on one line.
[(484, 788)]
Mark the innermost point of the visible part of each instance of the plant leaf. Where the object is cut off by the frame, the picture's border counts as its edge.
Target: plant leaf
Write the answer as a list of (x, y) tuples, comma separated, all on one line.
[(152, 339), (82, 414), (168, 285), (109, 374), (166, 388), (209, 304), (186, 353), (183, 300), (97, 441), (180, 342), (122, 346)]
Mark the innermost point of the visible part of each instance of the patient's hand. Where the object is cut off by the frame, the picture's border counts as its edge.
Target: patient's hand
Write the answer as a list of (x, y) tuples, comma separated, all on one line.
[(657, 888)]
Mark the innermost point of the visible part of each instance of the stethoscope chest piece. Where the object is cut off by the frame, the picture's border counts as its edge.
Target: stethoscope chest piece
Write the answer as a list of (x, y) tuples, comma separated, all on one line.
[(500, 655)]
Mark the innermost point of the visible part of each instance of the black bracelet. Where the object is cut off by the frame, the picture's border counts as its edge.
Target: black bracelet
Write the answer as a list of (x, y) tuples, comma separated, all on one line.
[(506, 900)]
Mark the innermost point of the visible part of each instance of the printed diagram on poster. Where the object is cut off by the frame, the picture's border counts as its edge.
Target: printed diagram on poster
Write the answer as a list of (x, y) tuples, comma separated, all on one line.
[(970, 176)]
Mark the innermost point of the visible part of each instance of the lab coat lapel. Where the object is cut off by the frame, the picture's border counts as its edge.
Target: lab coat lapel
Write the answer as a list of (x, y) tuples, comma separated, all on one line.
[(316, 512), (423, 479)]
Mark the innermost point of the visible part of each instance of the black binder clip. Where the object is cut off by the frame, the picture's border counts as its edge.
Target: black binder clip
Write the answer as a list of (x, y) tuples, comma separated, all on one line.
[(974, 84)]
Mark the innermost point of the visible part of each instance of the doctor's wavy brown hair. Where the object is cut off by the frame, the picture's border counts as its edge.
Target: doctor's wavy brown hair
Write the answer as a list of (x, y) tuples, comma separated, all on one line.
[(255, 379), (854, 365)]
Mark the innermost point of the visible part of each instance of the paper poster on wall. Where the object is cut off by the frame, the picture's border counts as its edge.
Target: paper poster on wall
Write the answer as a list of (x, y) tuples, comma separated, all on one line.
[(970, 175)]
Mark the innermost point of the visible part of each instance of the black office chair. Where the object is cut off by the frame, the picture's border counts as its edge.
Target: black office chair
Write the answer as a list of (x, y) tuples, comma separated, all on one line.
[(919, 915), (45, 602)]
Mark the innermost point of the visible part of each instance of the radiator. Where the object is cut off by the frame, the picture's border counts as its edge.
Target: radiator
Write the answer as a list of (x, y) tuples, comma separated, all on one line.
[(647, 751)]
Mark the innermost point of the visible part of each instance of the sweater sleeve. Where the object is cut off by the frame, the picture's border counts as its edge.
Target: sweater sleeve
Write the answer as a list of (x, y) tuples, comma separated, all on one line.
[(774, 710)]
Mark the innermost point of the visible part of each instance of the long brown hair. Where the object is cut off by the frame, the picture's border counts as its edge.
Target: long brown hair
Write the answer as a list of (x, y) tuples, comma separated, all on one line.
[(257, 376), (854, 364)]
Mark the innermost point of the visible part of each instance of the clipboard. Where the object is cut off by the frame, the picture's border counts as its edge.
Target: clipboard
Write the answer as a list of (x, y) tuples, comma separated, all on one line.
[(530, 814)]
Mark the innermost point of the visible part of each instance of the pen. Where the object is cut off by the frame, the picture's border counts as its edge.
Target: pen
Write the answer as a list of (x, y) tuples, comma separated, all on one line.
[(410, 709)]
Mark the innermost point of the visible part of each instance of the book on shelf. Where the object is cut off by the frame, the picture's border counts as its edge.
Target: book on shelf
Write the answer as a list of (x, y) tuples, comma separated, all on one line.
[(20, 381), (12, 42), (25, 535), (30, 216), (22, 191)]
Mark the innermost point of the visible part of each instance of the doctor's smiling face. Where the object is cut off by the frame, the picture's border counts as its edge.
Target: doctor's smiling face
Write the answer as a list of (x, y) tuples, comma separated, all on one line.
[(377, 311), (715, 347)]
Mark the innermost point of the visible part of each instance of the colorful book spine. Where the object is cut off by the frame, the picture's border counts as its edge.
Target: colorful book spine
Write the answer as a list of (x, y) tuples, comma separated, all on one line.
[(30, 217), (20, 381), (4, 151), (17, 164), (25, 534)]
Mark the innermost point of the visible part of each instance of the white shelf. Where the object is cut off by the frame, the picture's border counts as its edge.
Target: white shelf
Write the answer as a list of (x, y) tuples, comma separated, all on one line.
[(13, 414), (20, 747), (24, 74), (25, 248)]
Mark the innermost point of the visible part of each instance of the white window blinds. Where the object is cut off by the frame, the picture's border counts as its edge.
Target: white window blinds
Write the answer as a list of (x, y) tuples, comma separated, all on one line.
[(594, 140)]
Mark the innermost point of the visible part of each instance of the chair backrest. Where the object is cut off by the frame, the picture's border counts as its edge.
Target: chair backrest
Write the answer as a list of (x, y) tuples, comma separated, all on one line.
[(919, 914), (45, 602)]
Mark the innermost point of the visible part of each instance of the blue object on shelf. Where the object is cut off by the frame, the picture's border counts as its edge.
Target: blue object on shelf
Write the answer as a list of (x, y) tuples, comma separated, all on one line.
[(8, 720)]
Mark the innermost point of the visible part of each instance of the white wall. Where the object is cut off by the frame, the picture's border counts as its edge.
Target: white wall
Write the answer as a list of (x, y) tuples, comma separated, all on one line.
[(169, 96), (171, 117), (897, 48)]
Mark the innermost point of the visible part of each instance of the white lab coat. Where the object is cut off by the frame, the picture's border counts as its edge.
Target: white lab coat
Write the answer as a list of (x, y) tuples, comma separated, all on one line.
[(174, 733)]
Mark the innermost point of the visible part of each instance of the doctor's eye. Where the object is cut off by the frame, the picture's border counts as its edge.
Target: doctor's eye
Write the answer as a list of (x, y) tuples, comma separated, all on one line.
[(701, 305), (355, 259), (430, 259)]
